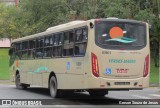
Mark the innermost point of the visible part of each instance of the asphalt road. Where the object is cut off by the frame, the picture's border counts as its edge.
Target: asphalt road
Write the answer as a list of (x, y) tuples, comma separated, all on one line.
[(10, 92)]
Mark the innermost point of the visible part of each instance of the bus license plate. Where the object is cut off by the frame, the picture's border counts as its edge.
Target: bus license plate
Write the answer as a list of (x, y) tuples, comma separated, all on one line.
[(122, 83)]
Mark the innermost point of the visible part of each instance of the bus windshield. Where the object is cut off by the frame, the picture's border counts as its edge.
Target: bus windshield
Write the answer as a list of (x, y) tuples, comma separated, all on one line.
[(118, 34)]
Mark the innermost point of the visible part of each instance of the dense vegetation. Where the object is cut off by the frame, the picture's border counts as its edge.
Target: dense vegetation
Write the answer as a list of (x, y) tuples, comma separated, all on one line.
[(33, 16)]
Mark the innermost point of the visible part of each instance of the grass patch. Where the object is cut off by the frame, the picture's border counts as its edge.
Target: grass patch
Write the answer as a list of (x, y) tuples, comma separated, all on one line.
[(154, 73), (4, 64)]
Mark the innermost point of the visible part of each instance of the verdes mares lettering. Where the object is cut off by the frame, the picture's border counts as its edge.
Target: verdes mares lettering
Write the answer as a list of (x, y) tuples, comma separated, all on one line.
[(121, 61)]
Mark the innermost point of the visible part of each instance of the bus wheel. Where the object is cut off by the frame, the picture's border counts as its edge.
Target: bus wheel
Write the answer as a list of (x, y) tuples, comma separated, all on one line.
[(98, 93), (53, 87), (18, 83)]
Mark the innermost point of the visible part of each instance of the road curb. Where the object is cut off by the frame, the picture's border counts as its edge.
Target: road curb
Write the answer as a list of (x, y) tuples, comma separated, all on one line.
[(154, 85), (6, 82)]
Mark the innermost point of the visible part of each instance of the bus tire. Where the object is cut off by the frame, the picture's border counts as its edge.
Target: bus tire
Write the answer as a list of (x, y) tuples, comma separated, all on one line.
[(98, 93), (53, 87), (17, 82), (19, 85)]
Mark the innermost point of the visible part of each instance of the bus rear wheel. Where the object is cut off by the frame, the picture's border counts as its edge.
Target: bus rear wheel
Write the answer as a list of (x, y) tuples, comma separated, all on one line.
[(53, 87), (19, 85), (98, 93)]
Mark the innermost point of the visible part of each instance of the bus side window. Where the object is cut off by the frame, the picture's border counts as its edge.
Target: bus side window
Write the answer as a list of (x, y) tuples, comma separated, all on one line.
[(18, 46), (78, 37), (68, 43), (48, 52), (57, 48), (37, 42), (71, 36), (80, 42), (80, 49), (32, 44), (61, 38), (66, 37), (51, 40), (18, 52), (25, 45), (57, 51), (24, 52), (56, 39), (39, 53), (31, 51), (18, 55), (41, 42), (11, 49), (48, 46), (84, 33), (47, 41)]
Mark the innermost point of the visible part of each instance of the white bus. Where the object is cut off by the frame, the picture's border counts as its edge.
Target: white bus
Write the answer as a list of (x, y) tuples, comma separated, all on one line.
[(96, 55)]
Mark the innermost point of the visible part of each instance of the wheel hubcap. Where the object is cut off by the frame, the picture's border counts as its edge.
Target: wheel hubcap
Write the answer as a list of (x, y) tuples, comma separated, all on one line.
[(18, 81), (53, 87)]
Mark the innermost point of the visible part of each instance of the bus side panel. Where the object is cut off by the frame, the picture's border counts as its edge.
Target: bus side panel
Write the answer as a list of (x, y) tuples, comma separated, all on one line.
[(146, 81), (45, 78), (37, 79), (90, 80), (70, 81), (23, 77), (12, 72), (29, 78)]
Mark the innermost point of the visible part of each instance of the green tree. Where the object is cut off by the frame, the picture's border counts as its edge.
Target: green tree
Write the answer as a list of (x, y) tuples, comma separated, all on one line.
[(150, 12), (7, 21), (38, 15), (83, 9)]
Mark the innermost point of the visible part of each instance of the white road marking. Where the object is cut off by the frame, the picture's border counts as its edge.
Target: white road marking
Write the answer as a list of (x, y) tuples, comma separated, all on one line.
[(141, 97), (155, 95)]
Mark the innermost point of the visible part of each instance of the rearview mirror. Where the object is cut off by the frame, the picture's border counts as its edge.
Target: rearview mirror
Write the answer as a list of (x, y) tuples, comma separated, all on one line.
[(91, 25)]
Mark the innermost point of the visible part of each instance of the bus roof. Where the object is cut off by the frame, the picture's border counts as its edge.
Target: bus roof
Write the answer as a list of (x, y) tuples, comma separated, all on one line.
[(65, 25), (70, 24), (50, 30)]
